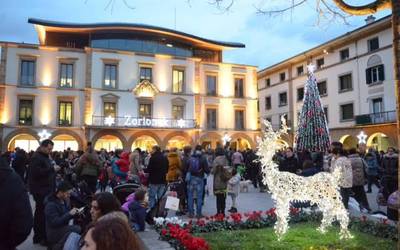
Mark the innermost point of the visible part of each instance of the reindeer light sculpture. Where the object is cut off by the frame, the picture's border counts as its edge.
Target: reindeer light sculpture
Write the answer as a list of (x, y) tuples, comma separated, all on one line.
[(321, 189)]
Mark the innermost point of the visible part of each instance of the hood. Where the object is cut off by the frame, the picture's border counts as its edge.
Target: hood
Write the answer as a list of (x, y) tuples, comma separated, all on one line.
[(50, 198), (353, 156), (394, 155), (125, 155)]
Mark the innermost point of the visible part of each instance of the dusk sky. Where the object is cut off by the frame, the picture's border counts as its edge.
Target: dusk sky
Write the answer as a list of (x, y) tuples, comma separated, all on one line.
[(268, 39)]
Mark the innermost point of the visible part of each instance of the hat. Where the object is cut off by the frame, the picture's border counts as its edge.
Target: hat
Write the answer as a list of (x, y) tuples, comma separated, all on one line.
[(63, 186)]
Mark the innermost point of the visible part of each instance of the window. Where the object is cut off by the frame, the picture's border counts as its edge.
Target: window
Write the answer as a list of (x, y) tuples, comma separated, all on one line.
[(344, 54), (373, 44), (347, 112), (282, 76), (268, 82), (25, 112), (110, 109), (65, 113), (267, 103), (375, 74), (66, 75), (320, 63), (300, 70), (283, 99), (27, 76), (178, 80), (211, 119), (211, 85), (145, 110), (322, 88), (239, 88), (326, 114), (345, 83), (239, 119), (146, 73), (177, 112), (377, 105), (110, 75), (300, 94)]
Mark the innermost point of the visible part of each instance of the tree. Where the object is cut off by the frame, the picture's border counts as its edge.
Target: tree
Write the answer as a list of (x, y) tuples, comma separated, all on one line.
[(312, 130)]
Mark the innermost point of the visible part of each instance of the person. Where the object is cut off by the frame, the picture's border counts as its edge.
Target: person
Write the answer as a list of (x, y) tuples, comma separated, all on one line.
[(233, 189), (221, 177), (88, 168), (110, 234), (115, 169), (174, 166), (339, 160), (389, 178), (357, 165), (237, 159), (102, 204), (289, 163), (135, 166), (371, 170), (137, 211), (58, 213), (309, 169), (185, 159), (198, 166), (157, 170), (16, 217), (19, 163), (41, 184)]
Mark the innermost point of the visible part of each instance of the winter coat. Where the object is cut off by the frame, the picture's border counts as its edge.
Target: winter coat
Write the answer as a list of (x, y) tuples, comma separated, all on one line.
[(220, 161), (346, 180), (234, 184), (41, 174), (19, 164), (16, 217), (237, 158), (116, 170), (371, 165), (390, 165), (203, 165), (221, 178), (289, 164), (123, 162), (174, 167), (85, 168), (135, 165), (137, 214), (157, 168), (357, 166)]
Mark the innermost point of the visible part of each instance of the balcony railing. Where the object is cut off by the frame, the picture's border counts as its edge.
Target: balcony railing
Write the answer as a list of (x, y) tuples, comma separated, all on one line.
[(142, 122), (376, 118)]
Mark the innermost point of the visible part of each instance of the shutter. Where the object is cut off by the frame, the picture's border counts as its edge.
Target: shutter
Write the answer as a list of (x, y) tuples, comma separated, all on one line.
[(368, 75), (381, 73)]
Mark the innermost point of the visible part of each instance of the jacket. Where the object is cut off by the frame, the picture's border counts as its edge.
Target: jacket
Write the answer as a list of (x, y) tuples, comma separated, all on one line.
[(89, 169), (137, 214), (220, 160), (157, 168), (19, 164), (237, 158), (134, 163), (371, 165), (357, 166), (16, 217), (174, 167), (390, 165), (346, 180), (221, 178), (115, 169), (289, 164), (234, 184), (41, 174)]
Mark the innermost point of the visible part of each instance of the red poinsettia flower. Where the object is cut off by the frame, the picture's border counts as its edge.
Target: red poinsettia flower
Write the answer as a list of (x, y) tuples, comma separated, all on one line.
[(164, 232)]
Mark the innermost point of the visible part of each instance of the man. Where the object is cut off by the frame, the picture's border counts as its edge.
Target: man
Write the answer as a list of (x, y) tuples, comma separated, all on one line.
[(390, 178), (19, 163), (58, 214), (290, 162), (157, 170), (197, 167), (15, 210), (41, 184)]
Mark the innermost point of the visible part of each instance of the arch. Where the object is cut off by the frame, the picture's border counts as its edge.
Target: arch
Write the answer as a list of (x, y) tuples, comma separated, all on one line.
[(378, 141), (145, 133), (214, 139), (282, 143), (171, 135), (70, 133), (17, 132), (374, 60), (237, 136), (349, 141), (105, 132)]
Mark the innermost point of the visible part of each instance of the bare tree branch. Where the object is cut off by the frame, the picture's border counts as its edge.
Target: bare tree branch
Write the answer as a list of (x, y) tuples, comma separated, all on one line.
[(220, 6), (279, 11)]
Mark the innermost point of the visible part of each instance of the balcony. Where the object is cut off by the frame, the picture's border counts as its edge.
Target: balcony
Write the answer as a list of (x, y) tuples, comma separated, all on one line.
[(376, 118), (142, 122)]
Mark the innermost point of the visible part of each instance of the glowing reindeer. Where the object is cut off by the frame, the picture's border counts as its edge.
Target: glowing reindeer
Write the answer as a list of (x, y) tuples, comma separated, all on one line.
[(321, 189)]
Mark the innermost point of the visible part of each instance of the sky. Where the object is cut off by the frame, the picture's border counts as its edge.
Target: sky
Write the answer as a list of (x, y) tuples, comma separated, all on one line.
[(268, 39)]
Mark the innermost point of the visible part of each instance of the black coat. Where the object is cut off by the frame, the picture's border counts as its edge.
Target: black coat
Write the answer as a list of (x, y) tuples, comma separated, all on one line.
[(16, 217), (289, 164), (157, 168), (19, 163), (41, 174)]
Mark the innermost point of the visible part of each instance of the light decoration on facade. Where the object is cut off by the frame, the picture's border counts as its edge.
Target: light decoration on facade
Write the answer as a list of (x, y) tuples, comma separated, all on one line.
[(43, 135), (362, 138), (321, 189), (311, 68), (181, 123), (226, 138), (145, 89), (109, 120)]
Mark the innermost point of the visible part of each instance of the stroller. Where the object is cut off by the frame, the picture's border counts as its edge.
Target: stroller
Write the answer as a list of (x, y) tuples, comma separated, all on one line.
[(122, 191)]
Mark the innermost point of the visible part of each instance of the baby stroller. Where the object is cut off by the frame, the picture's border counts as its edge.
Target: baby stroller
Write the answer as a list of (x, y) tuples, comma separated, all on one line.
[(159, 209), (122, 191)]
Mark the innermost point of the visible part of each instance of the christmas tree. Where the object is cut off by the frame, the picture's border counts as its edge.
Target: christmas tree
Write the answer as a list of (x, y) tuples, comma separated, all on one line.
[(312, 129)]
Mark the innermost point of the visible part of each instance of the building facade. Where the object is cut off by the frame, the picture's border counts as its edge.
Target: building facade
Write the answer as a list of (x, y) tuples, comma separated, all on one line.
[(355, 82), (124, 86)]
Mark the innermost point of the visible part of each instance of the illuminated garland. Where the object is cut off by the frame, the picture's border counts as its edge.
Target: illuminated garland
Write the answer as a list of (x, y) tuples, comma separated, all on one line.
[(321, 189)]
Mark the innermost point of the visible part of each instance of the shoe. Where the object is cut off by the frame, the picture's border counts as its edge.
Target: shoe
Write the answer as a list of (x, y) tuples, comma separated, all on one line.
[(179, 213), (231, 210)]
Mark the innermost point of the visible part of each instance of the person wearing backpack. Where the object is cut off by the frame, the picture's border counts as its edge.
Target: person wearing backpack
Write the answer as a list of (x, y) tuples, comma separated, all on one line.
[(197, 167)]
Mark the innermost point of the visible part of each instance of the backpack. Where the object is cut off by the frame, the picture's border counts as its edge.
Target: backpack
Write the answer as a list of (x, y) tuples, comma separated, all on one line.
[(194, 165)]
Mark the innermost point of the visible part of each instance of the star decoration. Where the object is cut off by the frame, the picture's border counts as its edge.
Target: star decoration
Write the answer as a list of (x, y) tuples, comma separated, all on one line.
[(181, 123), (44, 135), (109, 120), (226, 138), (362, 138), (311, 68)]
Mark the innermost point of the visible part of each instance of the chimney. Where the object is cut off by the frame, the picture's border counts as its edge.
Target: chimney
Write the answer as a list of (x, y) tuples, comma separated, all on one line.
[(370, 19)]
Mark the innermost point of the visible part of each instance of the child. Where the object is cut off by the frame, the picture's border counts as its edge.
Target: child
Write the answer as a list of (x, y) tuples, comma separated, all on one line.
[(137, 211), (221, 177), (233, 189)]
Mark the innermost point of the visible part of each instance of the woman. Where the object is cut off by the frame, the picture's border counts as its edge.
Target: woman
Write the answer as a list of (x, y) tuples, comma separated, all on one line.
[(339, 160), (174, 166), (221, 178), (88, 168), (135, 166), (110, 234), (102, 204)]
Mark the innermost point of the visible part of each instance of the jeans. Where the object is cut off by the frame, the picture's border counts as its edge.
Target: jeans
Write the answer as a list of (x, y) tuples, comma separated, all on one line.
[(39, 220), (221, 197), (360, 196), (156, 191), (345, 193), (196, 185)]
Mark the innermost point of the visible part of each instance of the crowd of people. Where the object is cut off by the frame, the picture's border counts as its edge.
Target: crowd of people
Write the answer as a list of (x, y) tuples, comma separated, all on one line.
[(51, 177)]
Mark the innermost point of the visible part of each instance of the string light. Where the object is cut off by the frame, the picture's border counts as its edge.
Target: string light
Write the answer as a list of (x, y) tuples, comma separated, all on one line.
[(362, 138)]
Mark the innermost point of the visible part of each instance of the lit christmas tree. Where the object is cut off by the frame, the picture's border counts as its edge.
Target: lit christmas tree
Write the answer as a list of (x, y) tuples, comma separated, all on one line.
[(312, 129)]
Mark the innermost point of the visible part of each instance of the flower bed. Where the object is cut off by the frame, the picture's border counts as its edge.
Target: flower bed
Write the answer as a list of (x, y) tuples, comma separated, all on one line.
[(180, 235)]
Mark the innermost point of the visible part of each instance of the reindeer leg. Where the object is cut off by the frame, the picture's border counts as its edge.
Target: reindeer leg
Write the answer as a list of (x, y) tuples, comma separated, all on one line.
[(327, 217), (282, 213), (343, 217)]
